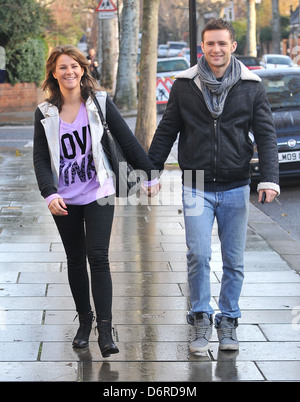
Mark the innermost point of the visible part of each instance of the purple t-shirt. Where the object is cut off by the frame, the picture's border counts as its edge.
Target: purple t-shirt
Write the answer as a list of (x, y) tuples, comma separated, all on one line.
[(78, 183)]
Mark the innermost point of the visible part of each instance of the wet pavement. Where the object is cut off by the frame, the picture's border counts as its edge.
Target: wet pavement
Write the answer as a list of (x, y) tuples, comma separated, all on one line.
[(151, 295)]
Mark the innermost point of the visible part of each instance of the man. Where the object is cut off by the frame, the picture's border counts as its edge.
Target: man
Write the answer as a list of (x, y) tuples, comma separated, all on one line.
[(93, 64), (213, 106)]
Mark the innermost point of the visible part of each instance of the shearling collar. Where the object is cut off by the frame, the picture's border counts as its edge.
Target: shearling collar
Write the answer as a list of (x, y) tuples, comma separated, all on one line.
[(246, 74)]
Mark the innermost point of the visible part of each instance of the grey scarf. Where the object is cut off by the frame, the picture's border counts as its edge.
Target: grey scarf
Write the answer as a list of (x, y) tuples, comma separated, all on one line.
[(214, 91)]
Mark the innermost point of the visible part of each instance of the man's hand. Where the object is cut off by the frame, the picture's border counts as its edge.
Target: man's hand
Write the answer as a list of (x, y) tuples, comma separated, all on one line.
[(270, 195)]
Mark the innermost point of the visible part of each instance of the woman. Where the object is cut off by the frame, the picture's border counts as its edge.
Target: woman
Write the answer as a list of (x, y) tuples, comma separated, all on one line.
[(74, 176)]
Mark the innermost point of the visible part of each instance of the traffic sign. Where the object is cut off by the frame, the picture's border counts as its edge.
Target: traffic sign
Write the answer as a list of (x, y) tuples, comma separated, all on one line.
[(162, 92), (106, 6), (168, 82), (106, 9)]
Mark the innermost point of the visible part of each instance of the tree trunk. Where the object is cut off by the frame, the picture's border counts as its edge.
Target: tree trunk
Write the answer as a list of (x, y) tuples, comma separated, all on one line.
[(146, 117), (108, 38), (251, 28), (126, 89), (276, 27)]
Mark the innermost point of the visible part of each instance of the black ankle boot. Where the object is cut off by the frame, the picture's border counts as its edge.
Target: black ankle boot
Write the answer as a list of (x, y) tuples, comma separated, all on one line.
[(81, 339), (105, 341)]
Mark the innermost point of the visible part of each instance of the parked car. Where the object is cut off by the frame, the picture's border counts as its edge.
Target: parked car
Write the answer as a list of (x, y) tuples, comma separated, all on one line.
[(252, 63), (174, 48), (162, 50), (283, 90), (170, 66), (276, 61)]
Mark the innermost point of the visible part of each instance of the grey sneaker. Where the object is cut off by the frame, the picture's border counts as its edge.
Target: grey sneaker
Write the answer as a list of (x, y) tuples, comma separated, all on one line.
[(203, 332), (226, 330)]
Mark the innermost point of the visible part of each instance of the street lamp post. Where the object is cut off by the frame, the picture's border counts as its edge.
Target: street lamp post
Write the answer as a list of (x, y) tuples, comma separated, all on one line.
[(193, 32)]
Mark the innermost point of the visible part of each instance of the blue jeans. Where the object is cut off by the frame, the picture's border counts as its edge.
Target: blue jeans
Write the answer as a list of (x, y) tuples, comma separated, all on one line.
[(230, 208)]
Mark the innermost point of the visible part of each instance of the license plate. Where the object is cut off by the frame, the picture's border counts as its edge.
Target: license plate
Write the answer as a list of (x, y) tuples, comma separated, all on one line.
[(285, 157)]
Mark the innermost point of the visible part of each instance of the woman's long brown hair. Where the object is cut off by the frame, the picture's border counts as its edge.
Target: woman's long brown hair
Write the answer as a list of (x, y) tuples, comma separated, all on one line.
[(88, 84)]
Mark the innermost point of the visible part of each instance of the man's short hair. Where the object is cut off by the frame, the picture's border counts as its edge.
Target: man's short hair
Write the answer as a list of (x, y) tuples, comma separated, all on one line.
[(220, 23)]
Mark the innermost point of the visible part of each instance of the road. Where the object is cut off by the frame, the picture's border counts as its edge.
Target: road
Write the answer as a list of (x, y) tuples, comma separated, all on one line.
[(284, 210), (16, 136)]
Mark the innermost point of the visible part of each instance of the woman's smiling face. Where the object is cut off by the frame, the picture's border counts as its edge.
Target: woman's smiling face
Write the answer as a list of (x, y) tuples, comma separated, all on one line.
[(68, 72)]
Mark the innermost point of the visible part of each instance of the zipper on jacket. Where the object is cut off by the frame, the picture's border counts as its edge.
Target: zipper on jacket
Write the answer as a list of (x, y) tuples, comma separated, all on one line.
[(215, 150), (215, 156)]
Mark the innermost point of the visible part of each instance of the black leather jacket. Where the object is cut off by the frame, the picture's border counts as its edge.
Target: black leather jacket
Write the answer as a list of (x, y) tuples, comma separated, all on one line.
[(221, 147)]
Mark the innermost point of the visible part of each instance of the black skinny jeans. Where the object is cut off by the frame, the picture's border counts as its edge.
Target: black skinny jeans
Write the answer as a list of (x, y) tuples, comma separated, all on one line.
[(85, 233)]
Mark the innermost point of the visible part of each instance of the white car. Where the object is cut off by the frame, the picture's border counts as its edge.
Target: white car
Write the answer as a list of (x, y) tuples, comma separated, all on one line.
[(162, 50), (169, 67), (174, 48), (276, 61)]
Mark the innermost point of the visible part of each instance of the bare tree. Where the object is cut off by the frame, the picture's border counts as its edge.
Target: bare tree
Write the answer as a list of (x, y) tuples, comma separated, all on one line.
[(173, 20), (146, 117), (107, 49), (126, 89)]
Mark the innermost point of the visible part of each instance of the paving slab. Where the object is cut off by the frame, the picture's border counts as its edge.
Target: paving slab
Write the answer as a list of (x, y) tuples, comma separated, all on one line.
[(39, 371), (270, 302), (259, 351), (275, 371), (30, 266), (281, 332), (12, 289), (19, 317), (18, 351)]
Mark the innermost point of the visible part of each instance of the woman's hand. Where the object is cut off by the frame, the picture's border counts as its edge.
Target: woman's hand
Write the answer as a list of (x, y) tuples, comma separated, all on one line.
[(58, 207)]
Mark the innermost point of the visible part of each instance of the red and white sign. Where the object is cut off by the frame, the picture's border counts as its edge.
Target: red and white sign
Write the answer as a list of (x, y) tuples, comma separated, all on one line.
[(162, 91), (106, 6)]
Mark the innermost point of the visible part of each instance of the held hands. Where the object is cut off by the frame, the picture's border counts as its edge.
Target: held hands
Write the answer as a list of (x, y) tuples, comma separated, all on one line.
[(58, 207), (151, 191), (269, 195)]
